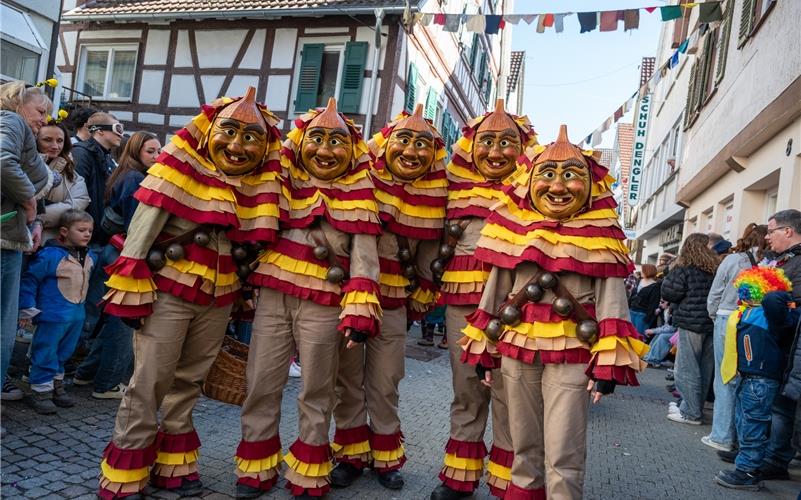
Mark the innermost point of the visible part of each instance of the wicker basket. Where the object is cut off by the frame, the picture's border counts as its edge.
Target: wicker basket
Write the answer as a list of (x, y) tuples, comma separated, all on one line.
[(226, 380)]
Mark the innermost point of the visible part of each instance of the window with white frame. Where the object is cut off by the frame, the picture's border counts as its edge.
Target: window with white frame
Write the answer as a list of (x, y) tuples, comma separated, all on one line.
[(330, 70), (21, 47), (771, 199), (107, 71), (728, 220)]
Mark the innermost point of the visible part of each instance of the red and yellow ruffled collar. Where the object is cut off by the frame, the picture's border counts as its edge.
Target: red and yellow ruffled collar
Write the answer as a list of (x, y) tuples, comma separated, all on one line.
[(415, 209), (347, 202)]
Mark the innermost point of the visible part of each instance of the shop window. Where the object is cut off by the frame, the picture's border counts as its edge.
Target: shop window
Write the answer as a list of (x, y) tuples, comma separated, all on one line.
[(22, 48), (18, 63)]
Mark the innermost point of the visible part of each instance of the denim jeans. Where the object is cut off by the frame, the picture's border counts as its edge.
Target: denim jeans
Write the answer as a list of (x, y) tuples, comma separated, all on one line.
[(658, 349), (780, 450), (723, 414), (51, 347), (111, 352), (638, 320), (244, 330), (754, 397), (10, 273), (695, 361)]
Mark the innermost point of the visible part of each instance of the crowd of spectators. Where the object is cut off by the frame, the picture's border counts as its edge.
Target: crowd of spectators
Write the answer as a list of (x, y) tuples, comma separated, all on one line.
[(698, 309)]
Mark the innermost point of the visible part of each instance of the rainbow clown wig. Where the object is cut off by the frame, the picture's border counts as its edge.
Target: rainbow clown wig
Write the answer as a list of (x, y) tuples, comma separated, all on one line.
[(754, 283)]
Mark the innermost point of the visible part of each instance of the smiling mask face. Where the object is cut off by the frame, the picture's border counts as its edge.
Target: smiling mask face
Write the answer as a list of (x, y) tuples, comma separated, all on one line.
[(327, 146), (238, 137), (411, 147), (561, 182), (497, 144)]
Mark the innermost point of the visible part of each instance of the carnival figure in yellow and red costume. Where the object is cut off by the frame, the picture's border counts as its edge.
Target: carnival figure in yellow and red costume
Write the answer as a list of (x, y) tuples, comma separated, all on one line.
[(411, 190), (482, 163), (319, 291), (215, 185), (554, 307)]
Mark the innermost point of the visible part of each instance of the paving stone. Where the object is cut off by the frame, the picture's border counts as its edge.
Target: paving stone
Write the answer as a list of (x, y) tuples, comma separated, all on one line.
[(37, 492)]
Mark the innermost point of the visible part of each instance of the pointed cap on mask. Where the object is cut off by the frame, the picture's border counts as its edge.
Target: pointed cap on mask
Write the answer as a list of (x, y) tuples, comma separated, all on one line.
[(560, 150), (415, 121), (498, 120), (244, 110), (328, 118)]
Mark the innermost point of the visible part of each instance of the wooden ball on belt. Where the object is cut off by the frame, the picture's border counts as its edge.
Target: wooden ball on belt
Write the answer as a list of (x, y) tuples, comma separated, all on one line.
[(563, 306), (320, 252), (587, 331), (239, 253), (404, 255), (494, 329), (438, 266), (409, 271), (534, 292), (201, 238), (155, 259), (243, 271), (547, 280), (335, 275), (455, 230), (510, 315), (445, 251), (175, 251)]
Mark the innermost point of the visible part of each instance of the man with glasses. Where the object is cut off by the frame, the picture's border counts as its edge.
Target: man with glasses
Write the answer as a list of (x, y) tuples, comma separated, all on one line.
[(784, 236)]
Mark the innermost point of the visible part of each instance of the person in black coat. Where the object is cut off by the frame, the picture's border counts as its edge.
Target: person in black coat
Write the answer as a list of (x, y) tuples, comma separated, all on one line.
[(686, 288), (644, 302)]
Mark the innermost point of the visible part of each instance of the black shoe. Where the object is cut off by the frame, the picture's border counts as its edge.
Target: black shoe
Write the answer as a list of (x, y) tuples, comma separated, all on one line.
[(60, 396), (41, 402), (189, 488), (770, 472), (739, 480), (344, 474), (728, 456), (392, 480), (245, 491), (442, 492)]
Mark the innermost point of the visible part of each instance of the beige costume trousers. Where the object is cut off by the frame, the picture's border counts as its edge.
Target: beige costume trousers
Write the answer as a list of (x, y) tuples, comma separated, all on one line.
[(173, 353), (282, 324), (471, 400), (369, 376), (548, 415)]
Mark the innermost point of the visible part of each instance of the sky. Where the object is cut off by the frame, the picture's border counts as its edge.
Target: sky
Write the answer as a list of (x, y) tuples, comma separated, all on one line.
[(580, 79)]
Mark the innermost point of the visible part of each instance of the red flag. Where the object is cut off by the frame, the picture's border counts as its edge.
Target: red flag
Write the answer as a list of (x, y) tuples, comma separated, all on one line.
[(548, 21)]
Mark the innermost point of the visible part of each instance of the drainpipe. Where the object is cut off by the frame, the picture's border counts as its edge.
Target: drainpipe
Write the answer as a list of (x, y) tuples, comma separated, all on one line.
[(368, 120)]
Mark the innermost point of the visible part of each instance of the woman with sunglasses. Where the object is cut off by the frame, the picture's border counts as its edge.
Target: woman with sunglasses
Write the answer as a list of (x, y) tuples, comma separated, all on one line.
[(109, 361), (54, 145)]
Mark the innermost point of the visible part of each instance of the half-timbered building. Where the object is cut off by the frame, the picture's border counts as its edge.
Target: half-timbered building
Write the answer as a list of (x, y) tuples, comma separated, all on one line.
[(153, 62)]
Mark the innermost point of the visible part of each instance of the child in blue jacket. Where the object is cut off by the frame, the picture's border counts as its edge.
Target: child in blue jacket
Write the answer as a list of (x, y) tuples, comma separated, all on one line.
[(52, 293), (766, 322)]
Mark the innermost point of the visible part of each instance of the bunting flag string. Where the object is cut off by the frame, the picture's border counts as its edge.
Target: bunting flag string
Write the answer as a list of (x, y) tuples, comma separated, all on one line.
[(605, 20), (687, 45)]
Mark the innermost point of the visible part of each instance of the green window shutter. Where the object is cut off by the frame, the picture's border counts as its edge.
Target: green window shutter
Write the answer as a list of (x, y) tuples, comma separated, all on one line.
[(473, 51), (746, 21), (723, 43), (445, 132), (430, 111), (689, 110), (706, 70), (311, 60), (411, 89), (350, 89), (488, 88), (482, 66)]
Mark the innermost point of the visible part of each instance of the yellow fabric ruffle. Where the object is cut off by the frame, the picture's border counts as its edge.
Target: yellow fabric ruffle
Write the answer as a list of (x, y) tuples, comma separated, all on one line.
[(309, 470), (262, 464), (465, 276), (177, 458), (423, 212), (452, 460), (388, 456), (588, 243), (188, 267), (612, 342), (500, 471), (190, 185), (392, 280), (475, 191), (349, 450), (565, 328), (474, 333), (289, 264), (426, 297), (359, 297), (332, 203), (260, 210), (128, 284), (123, 475)]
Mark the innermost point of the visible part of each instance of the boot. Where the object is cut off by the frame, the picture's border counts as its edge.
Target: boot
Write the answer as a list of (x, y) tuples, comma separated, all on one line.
[(60, 396), (188, 488), (245, 491), (442, 492), (428, 335), (344, 474), (392, 480), (41, 402)]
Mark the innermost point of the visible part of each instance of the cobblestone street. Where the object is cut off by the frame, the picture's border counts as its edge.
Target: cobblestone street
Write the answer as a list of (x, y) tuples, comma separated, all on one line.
[(634, 451)]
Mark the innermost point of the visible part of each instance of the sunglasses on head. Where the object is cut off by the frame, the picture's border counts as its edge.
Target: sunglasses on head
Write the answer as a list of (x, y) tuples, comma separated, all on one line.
[(117, 128)]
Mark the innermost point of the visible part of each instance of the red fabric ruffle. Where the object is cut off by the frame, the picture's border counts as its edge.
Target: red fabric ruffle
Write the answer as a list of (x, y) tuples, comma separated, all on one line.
[(252, 236), (258, 450), (155, 199), (586, 231), (297, 491), (122, 311), (129, 459), (495, 491), (466, 486), (574, 355), (485, 359), (193, 294), (361, 285), (479, 318), (352, 436), (361, 323), (255, 483), (532, 254), (299, 251), (459, 299), (517, 493), (317, 296), (108, 495), (466, 449), (623, 375), (501, 456), (130, 268), (544, 313), (610, 327), (311, 454), (465, 263), (386, 442), (178, 443), (171, 483)]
